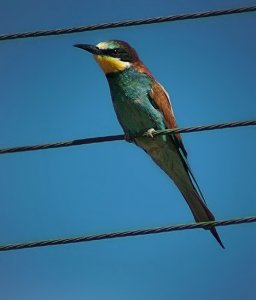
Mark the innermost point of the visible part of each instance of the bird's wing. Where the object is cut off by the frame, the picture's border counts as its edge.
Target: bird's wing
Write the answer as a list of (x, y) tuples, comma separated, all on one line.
[(160, 100)]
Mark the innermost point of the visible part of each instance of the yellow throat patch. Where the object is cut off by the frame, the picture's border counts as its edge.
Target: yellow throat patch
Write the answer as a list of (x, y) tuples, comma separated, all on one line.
[(110, 64)]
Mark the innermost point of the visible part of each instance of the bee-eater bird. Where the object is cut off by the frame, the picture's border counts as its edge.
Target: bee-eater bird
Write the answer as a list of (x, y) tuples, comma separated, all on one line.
[(142, 105)]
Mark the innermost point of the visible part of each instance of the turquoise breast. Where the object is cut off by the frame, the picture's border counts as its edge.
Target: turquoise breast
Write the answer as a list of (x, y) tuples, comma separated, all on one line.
[(130, 95)]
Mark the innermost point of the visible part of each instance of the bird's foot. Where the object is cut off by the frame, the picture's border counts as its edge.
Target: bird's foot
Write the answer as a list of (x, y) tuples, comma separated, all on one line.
[(128, 138), (150, 133)]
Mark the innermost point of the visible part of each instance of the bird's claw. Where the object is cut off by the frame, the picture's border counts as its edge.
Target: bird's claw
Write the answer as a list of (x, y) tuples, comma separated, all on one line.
[(128, 138), (150, 133)]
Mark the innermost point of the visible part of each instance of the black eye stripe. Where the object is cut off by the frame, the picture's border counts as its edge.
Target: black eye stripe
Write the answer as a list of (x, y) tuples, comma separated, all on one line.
[(120, 53), (112, 52)]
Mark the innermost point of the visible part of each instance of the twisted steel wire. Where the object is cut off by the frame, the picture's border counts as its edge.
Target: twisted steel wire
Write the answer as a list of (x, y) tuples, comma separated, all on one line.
[(120, 137), (130, 233), (146, 21)]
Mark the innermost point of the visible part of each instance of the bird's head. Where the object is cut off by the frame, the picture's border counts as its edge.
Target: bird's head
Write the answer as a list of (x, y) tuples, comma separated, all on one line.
[(112, 56)]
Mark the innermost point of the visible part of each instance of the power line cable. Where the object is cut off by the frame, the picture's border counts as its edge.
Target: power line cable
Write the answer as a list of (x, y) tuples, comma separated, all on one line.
[(146, 21), (120, 137), (130, 233)]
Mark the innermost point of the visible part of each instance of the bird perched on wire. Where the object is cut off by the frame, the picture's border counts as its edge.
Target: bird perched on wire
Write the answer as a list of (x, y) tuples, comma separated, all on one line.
[(142, 105)]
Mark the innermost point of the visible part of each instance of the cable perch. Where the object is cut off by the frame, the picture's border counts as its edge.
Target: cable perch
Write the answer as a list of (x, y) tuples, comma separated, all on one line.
[(121, 137)]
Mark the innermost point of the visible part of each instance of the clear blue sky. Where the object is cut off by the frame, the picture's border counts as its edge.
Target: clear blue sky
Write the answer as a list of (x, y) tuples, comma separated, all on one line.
[(51, 91)]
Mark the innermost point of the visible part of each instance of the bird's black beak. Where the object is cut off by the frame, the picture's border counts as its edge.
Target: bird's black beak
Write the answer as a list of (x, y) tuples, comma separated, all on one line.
[(90, 48)]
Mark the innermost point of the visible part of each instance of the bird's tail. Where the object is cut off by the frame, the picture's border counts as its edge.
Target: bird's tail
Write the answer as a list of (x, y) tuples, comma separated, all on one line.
[(199, 209), (177, 168)]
